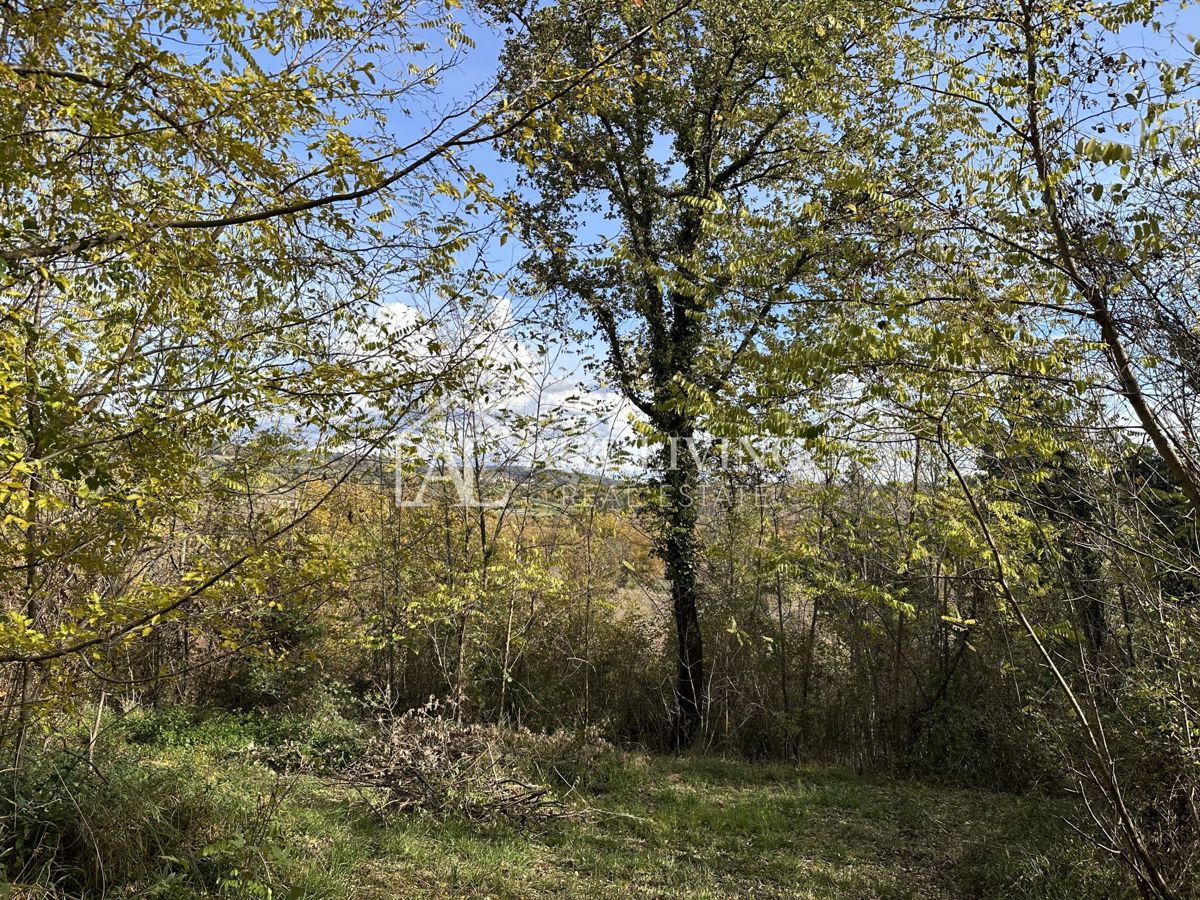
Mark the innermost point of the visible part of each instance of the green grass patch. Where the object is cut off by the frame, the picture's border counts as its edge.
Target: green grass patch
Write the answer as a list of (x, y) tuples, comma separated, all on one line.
[(217, 818), (711, 828)]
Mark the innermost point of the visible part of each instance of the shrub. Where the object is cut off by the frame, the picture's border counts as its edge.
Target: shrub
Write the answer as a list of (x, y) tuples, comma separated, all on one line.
[(146, 826), (283, 743)]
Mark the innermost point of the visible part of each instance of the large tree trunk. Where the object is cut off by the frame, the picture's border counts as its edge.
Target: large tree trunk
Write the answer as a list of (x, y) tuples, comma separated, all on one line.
[(679, 554)]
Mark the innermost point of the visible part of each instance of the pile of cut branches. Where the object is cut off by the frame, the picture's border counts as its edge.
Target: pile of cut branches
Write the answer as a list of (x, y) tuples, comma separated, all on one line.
[(424, 761)]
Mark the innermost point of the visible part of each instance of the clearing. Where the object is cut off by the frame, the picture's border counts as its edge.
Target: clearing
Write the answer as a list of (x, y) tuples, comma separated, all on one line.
[(704, 827)]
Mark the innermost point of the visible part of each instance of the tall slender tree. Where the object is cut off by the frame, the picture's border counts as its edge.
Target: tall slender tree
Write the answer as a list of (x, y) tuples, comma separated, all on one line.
[(689, 202)]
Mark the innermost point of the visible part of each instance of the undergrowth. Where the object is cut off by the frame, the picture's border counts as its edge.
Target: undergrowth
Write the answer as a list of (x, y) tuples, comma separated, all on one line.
[(184, 804)]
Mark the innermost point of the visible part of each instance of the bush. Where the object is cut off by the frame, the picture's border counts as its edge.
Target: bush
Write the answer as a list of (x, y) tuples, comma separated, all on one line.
[(283, 743), (145, 826)]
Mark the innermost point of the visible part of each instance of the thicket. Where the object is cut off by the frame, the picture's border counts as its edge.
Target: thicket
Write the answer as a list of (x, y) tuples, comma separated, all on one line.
[(942, 255)]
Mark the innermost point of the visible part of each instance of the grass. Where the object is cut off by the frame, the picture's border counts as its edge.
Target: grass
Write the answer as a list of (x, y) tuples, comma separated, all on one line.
[(695, 827), (639, 827)]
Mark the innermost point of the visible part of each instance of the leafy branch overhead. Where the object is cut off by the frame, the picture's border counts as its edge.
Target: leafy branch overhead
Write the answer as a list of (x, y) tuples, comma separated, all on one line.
[(485, 416)]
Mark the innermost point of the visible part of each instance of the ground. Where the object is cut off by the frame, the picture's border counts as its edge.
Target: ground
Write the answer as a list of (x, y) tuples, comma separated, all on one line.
[(198, 805), (700, 827)]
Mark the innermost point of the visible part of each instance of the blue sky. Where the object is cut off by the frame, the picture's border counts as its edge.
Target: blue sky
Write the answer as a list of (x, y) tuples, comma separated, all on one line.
[(559, 375)]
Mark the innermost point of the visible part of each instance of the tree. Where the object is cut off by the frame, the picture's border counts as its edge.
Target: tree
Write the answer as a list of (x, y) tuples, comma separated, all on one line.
[(1074, 189), (690, 203), (179, 281), (1077, 167)]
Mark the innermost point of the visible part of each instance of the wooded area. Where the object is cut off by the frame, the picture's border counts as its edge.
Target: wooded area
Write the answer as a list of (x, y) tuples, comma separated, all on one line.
[(509, 414)]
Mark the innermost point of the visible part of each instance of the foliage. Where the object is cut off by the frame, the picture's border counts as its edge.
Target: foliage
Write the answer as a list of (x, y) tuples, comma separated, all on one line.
[(940, 257), (152, 826)]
